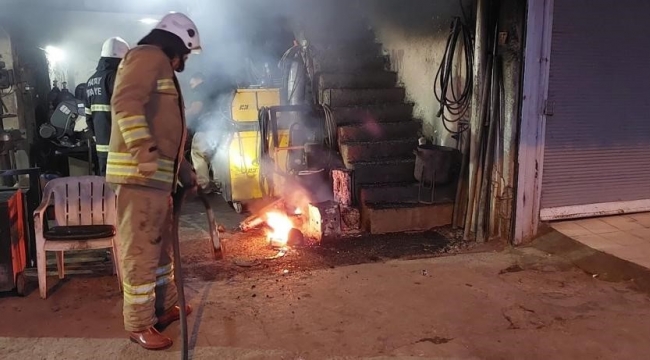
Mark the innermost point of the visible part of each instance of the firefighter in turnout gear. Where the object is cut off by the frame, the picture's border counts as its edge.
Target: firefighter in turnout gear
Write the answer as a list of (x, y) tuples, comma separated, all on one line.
[(99, 90), (145, 165)]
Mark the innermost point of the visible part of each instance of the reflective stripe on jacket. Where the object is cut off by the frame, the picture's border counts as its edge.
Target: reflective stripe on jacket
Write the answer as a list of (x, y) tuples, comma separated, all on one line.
[(99, 90), (148, 121)]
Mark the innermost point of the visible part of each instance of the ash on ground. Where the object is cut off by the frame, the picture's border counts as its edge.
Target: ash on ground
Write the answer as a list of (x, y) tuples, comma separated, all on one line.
[(250, 255)]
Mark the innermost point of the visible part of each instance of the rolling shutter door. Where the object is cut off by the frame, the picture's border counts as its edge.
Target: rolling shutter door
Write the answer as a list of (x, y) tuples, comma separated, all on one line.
[(597, 151)]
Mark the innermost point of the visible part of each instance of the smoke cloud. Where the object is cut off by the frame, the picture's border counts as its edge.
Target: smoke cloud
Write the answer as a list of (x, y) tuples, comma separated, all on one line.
[(234, 35)]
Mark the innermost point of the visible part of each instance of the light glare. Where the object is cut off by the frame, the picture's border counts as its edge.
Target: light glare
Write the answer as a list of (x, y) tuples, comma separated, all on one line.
[(148, 21), (54, 55)]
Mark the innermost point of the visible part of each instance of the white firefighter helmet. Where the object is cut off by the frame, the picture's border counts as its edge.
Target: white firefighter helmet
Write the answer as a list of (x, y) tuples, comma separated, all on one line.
[(115, 47), (183, 27)]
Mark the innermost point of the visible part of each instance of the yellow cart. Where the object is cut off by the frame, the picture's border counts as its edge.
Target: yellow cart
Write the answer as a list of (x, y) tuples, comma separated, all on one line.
[(240, 173)]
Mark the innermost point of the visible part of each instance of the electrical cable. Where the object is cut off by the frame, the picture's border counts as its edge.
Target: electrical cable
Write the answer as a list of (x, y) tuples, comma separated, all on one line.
[(466, 18), (330, 128), (285, 67), (308, 61), (306, 58), (263, 120), (331, 132), (454, 104), (288, 161)]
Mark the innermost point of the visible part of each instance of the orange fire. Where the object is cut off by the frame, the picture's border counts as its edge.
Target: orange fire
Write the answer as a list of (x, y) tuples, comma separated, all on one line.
[(280, 225)]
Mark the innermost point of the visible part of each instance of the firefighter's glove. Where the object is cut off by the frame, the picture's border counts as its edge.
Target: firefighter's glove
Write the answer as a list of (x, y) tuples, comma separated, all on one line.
[(189, 180), (187, 176)]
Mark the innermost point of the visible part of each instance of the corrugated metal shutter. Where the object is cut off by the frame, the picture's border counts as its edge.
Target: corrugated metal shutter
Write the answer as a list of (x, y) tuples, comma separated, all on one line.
[(598, 136)]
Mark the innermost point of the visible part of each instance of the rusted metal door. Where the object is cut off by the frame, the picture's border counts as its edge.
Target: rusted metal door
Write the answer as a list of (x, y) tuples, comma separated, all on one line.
[(597, 152)]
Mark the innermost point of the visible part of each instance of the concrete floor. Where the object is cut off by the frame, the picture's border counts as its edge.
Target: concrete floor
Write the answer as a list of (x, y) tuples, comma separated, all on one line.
[(625, 236), (353, 301), (495, 305)]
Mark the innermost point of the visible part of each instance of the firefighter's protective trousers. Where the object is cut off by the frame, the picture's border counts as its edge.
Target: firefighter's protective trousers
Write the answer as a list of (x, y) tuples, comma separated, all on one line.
[(144, 217)]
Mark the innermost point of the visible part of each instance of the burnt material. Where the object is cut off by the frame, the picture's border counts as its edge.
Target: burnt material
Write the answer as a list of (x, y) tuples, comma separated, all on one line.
[(350, 219), (296, 238), (324, 221), (343, 184)]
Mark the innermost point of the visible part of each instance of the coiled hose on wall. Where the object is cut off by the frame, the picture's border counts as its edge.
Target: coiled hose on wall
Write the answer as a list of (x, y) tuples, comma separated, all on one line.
[(454, 103)]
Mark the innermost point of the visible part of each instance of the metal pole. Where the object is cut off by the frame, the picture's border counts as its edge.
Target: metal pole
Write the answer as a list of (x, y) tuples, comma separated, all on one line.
[(491, 114), (497, 172), (480, 44), (483, 209)]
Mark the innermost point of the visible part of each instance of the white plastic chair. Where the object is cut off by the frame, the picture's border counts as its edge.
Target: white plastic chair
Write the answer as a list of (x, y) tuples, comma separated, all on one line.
[(78, 201)]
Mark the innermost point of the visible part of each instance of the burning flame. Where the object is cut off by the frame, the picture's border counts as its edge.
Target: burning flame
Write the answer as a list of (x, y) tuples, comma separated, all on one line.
[(280, 225)]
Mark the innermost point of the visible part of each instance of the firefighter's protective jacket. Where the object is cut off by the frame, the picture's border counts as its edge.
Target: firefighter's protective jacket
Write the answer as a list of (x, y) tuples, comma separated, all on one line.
[(148, 122), (99, 90)]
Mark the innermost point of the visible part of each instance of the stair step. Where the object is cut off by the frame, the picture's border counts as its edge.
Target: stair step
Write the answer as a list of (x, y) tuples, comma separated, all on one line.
[(383, 171), (350, 63), (350, 49), (407, 193), (364, 80), (373, 150), (379, 131), (350, 97), (395, 218), (350, 36), (372, 113)]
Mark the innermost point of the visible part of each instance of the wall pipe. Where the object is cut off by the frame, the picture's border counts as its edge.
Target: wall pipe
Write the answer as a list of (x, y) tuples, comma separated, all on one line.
[(482, 212), (497, 173), (478, 179)]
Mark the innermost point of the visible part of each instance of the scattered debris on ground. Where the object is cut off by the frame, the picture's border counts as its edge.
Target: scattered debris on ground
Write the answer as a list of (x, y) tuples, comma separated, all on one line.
[(250, 252)]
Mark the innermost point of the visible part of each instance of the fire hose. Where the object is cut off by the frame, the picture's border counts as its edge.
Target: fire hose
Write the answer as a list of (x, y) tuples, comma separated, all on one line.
[(215, 245)]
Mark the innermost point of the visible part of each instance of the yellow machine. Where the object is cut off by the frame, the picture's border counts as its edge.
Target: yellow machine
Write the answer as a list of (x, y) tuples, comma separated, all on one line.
[(242, 182), (274, 140)]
